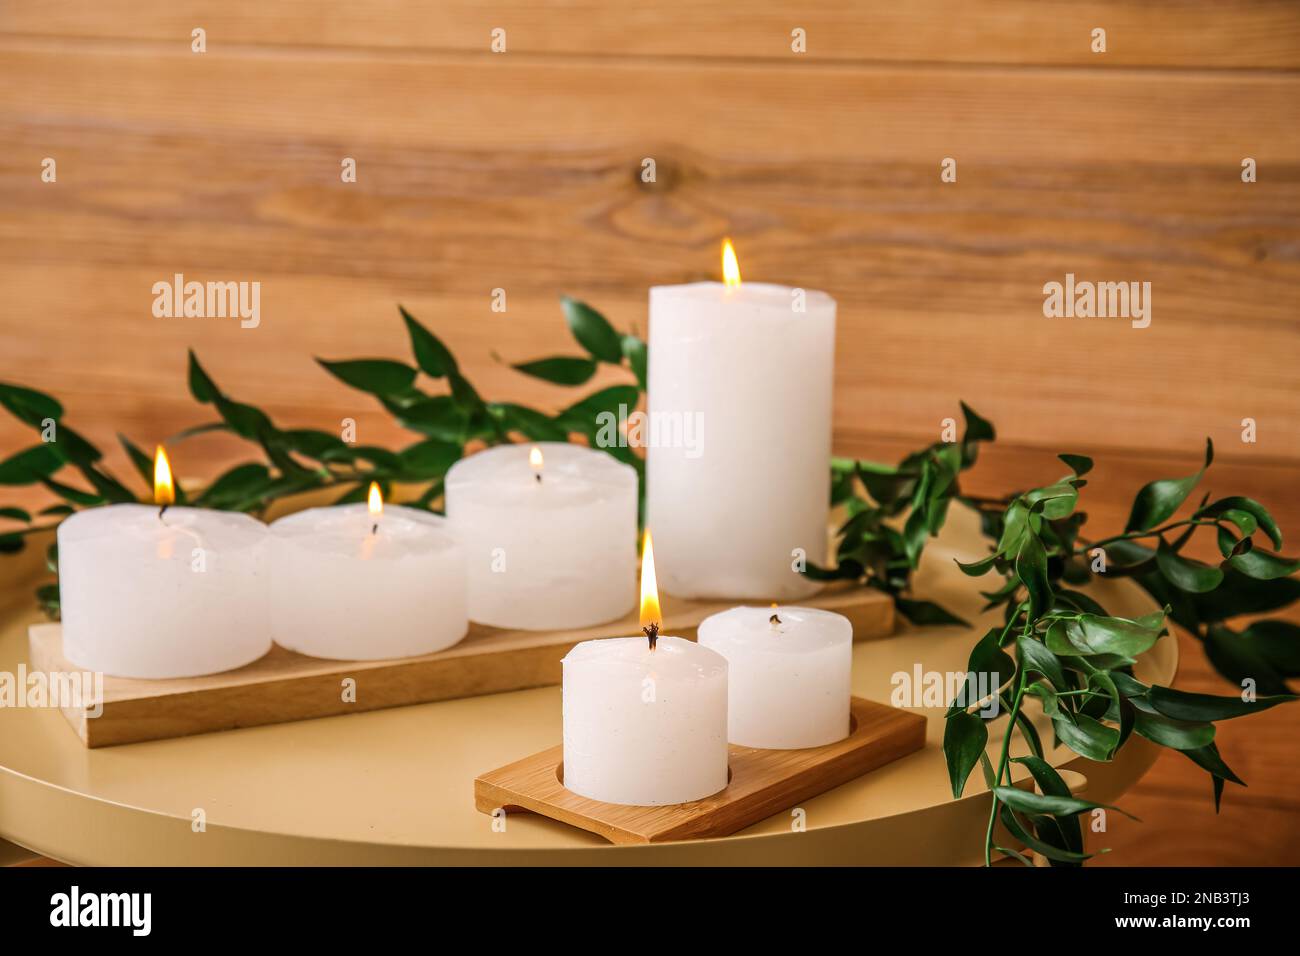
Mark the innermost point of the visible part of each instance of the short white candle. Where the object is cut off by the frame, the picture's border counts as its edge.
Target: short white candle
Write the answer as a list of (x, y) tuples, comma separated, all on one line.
[(349, 584), (645, 718), (749, 377), (644, 727), (150, 592), (789, 674), (549, 543)]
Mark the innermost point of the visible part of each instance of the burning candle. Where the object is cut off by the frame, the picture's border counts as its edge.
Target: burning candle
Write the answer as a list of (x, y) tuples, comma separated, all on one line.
[(162, 591), (746, 370), (789, 672), (549, 532), (366, 582), (645, 719)]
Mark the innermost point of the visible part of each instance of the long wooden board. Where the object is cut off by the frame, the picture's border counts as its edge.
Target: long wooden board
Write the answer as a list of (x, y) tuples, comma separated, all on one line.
[(762, 782), (1247, 34), (284, 686)]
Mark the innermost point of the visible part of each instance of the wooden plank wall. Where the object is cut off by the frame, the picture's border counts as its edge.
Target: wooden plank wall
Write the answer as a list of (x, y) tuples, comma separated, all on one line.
[(521, 171)]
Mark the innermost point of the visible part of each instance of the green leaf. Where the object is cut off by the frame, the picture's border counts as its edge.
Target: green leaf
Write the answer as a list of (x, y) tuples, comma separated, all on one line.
[(1031, 569), (1015, 525), (77, 496), (244, 420), (1251, 507), (1245, 522), (1208, 758), (1079, 464), (1175, 734), (1182, 705), (1055, 501), (585, 416), (1184, 573), (964, 739), (438, 417), (592, 330), (926, 613), (143, 463), (30, 466), (885, 484), (202, 387), (560, 369), (1087, 737), (235, 485), (1028, 802), (993, 663), (319, 445), (638, 356), (915, 530), (1036, 657), (74, 448), (1091, 635), (1158, 500), (1051, 783), (526, 421), (1263, 566), (433, 358), (381, 458), (977, 568), (16, 514), (29, 405), (429, 459), (1040, 846), (376, 376), (977, 428)]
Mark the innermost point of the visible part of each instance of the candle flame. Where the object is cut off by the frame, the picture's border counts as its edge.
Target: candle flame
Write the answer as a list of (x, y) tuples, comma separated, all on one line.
[(375, 500), (164, 490), (535, 458), (730, 266), (650, 613)]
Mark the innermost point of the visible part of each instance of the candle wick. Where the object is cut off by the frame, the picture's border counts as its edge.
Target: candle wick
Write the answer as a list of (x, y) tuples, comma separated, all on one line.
[(374, 527), (538, 476), (651, 631), (162, 511), (774, 620)]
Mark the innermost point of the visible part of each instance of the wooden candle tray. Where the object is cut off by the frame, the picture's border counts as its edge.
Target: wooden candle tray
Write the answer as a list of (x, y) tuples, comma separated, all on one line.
[(284, 686), (763, 782)]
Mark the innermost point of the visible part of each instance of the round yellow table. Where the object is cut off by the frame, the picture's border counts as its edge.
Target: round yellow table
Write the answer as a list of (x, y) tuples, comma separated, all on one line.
[(396, 786)]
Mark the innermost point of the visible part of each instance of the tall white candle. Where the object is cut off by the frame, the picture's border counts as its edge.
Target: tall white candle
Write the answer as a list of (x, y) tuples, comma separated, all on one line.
[(358, 582), (746, 372), (645, 718), (150, 592), (549, 532), (789, 671)]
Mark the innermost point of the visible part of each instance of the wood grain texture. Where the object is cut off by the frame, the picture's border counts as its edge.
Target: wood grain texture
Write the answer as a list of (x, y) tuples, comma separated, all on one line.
[(285, 686), (1248, 34), (523, 176), (761, 783)]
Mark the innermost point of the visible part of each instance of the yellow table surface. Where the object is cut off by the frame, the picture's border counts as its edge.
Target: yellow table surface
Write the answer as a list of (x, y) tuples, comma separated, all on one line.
[(396, 786)]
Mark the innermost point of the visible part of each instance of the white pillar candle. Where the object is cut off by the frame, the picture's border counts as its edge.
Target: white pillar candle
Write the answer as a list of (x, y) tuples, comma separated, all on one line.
[(644, 727), (746, 375), (645, 719), (549, 542), (152, 594), (350, 584), (788, 674)]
